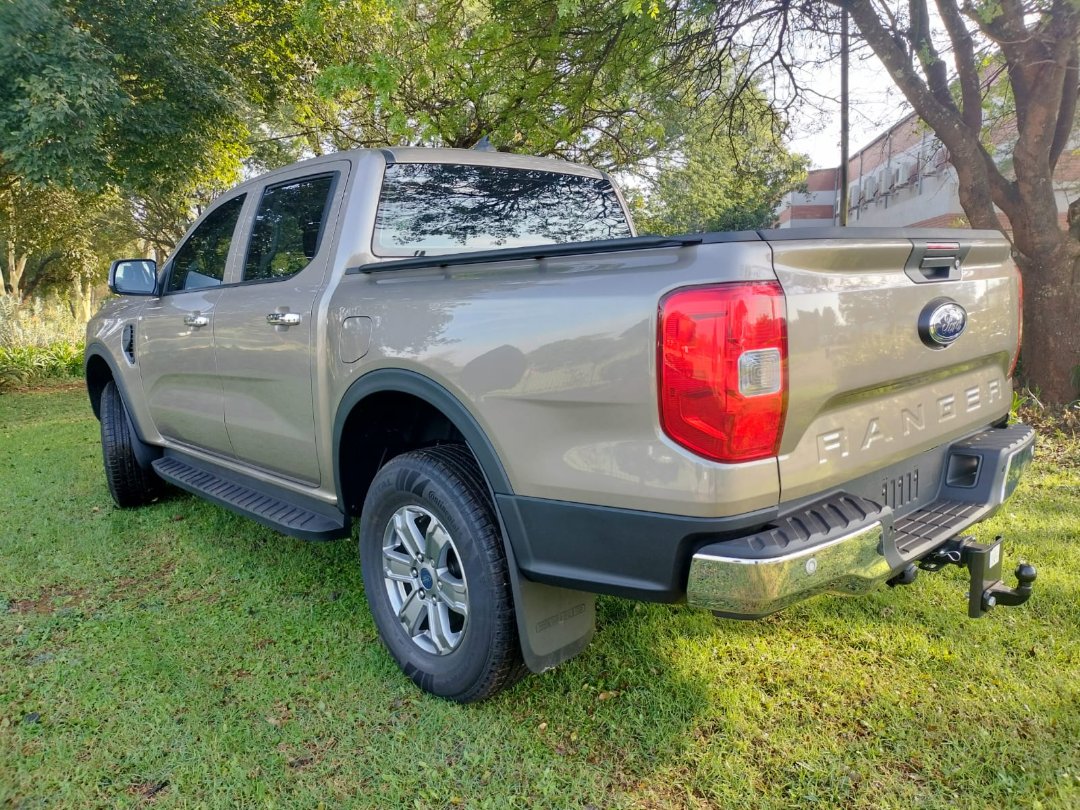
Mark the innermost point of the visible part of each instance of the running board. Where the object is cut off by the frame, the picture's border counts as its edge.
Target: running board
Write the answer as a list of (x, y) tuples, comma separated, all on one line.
[(283, 512)]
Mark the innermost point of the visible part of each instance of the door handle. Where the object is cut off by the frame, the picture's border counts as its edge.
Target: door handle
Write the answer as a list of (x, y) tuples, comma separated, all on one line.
[(283, 318), (195, 319)]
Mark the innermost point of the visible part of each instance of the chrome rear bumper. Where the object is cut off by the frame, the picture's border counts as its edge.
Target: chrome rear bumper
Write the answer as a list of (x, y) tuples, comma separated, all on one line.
[(750, 588), (846, 544)]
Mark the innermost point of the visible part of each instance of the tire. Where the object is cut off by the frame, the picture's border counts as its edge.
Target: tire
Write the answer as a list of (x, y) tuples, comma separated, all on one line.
[(430, 545), (129, 483)]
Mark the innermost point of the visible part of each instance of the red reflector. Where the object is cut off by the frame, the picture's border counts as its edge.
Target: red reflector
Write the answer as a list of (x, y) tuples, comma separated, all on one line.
[(1019, 323), (707, 336)]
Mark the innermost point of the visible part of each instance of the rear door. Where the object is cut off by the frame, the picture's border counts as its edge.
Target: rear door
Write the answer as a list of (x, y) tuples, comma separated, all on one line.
[(265, 323), (868, 385), (175, 336)]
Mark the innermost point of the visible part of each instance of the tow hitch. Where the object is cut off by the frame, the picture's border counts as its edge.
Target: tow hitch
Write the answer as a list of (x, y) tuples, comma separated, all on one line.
[(983, 562)]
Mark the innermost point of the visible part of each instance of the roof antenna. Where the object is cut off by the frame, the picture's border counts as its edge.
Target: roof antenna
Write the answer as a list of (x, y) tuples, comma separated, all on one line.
[(484, 145)]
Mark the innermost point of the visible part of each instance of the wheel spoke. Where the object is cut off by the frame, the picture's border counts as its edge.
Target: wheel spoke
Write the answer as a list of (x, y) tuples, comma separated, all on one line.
[(453, 592), (408, 533), (439, 628), (435, 540), (397, 566), (412, 613)]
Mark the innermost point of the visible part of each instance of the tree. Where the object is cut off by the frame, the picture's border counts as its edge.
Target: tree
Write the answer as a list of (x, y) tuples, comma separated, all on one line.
[(130, 93), (720, 178), (586, 81), (1037, 41), (1040, 45), (118, 102), (60, 240)]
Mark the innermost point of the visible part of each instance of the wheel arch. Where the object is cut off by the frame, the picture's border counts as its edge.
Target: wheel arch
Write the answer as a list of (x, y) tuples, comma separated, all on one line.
[(554, 624), (99, 371), (371, 394)]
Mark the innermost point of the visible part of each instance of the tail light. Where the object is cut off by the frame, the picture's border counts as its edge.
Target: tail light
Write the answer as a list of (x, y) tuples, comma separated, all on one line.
[(1019, 323), (722, 369)]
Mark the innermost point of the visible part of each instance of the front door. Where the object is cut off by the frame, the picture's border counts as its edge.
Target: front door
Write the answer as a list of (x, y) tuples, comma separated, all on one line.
[(265, 328), (175, 337)]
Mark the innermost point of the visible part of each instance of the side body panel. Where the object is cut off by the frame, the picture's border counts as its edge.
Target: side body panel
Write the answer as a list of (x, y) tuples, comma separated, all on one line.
[(104, 336), (266, 370), (183, 389), (555, 358)]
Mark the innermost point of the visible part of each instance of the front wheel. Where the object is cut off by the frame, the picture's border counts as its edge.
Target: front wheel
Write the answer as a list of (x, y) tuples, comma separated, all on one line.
[(130, 483), (436, 575)]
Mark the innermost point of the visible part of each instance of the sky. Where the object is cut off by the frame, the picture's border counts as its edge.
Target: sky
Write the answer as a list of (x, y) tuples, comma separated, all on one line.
[(876, 104)]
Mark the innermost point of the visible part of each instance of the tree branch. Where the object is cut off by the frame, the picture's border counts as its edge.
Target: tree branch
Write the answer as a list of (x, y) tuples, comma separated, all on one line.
[(933, 65), (1067, 111), (966, 69), (944, 120)]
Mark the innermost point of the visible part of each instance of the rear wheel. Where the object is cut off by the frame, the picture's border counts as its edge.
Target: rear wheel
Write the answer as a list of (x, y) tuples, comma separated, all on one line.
[(129, 482), (436, 575)]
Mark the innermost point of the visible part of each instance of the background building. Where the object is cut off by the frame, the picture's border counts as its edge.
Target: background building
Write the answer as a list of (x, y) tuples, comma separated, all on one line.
[(904, 178)]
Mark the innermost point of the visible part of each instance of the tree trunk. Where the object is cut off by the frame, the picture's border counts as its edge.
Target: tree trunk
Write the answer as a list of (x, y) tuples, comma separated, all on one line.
[(1051, 354), (80, 299), (15, 266)]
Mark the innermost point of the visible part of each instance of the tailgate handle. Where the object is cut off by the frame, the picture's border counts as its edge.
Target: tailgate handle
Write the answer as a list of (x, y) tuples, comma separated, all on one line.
[(935, 261)]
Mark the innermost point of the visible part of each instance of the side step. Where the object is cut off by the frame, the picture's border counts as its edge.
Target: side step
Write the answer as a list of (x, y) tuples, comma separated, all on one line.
[(280, 511)]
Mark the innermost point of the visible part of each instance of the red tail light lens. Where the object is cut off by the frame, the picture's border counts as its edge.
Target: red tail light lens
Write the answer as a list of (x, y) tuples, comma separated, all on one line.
[(1019, 323), (722, 368)]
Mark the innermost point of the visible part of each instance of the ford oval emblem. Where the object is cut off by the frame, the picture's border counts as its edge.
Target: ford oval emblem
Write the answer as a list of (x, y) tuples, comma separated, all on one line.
[(941, 322)]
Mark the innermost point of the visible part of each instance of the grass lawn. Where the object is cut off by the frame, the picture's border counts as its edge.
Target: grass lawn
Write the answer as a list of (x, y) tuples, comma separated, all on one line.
[(183, 656)]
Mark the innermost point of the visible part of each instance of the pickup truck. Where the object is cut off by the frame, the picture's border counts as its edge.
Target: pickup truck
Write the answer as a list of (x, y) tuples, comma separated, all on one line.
[(524, 404)]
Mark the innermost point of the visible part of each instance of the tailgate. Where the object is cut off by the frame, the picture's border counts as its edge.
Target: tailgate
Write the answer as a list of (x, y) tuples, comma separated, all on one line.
[(866, 390)]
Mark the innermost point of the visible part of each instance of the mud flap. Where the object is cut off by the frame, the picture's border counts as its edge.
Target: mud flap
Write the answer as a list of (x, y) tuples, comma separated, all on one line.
[(554, 624)]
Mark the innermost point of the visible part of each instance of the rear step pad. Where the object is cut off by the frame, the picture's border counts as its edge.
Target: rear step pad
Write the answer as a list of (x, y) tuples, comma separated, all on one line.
[(287, 518), (929, 527), (914, 534)]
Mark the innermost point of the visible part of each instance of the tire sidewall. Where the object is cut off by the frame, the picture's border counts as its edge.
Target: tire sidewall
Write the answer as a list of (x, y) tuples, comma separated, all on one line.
[(405, 482)]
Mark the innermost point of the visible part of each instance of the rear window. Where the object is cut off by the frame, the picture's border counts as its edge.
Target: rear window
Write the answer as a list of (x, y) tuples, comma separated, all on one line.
[(430, 208)]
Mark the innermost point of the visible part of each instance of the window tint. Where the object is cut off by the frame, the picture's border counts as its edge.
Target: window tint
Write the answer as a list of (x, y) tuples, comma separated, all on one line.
[(288, 226), (431, 208), (200, 262)]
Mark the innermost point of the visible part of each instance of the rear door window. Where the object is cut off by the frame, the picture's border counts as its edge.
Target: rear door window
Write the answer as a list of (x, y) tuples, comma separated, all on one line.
[(288, 228), (432, 208), (200, 261)]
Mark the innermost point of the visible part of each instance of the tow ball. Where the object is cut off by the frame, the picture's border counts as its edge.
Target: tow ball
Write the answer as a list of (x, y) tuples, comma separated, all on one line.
[(983, 562)]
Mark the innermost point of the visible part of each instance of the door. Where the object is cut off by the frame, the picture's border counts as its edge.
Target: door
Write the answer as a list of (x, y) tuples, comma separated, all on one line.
[(264, 328), (176, 336)]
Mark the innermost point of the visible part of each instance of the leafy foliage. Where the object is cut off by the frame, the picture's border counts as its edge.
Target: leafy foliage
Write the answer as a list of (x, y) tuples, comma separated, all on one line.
[(37, 345), (139, 112), (592, 82), (727, 180), (129, 92)]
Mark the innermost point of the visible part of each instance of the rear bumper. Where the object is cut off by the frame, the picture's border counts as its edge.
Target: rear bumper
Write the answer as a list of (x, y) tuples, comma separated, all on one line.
[(668, 558), (849, 545), (749, 588)]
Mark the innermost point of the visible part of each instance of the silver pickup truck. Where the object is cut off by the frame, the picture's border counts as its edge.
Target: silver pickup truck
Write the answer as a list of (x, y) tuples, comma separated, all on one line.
[(525, 404)]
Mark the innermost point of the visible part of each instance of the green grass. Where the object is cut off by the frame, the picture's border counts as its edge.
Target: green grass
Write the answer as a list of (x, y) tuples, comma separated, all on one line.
[(184, 656)]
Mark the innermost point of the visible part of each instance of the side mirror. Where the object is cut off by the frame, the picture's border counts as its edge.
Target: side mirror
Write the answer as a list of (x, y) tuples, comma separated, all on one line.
[(133, 276)]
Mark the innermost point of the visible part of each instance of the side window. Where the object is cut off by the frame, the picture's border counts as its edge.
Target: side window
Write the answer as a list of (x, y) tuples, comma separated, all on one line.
[(288, 227), (200, 262)]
